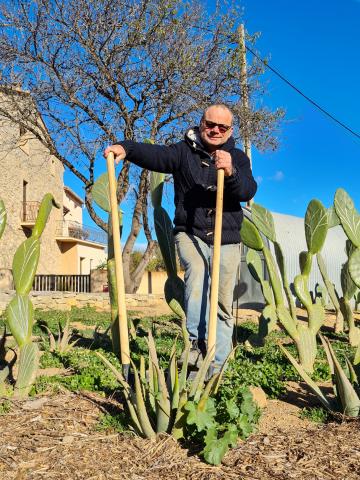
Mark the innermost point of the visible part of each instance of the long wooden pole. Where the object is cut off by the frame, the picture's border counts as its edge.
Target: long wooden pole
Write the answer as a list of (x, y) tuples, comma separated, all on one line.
[(215, 270), (120, 286)]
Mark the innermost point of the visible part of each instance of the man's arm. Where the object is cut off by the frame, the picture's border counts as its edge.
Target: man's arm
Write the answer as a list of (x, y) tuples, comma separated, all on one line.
[(159, 158)]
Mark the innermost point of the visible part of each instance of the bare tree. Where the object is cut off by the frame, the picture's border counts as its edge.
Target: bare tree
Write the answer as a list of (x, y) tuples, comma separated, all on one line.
[(100, 71)]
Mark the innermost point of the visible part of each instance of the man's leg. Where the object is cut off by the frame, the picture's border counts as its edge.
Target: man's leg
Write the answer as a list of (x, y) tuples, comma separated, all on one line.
[(194, 256), (229, 262)]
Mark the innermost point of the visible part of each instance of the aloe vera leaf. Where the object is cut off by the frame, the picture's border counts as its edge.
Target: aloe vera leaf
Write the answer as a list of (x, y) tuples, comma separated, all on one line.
[(24, 265), (127, 392), (307, 379), (349, 217), (46, 205), (172, 379), (151, 389), (210, 387), (28, 365), (357, 356), (141, 407), (352, 373), (198, 382), (156, 188), (142, 373), (64, 338), (354, 267), (162, 400), (346, 393), (250, 235), (264, 221), (183, 372), (180, 418), (20, 318), (3, 217), (316, 226)]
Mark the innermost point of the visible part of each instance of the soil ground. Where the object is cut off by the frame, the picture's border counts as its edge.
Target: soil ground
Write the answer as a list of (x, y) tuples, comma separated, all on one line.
[(56, 437)]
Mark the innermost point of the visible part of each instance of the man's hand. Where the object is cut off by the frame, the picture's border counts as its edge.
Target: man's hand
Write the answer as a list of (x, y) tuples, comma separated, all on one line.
[(223, 160), (117, 150)]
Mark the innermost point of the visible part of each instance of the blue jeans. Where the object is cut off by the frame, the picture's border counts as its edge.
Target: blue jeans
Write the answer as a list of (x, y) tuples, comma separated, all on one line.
[(196, 257)]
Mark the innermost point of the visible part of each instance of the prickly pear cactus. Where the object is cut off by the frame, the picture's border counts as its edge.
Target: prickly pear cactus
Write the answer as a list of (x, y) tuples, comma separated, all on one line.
[(316, 225), (20, 312), (350, 278)]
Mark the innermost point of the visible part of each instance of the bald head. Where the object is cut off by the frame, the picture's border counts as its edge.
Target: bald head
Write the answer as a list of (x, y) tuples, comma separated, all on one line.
[(216, 107)]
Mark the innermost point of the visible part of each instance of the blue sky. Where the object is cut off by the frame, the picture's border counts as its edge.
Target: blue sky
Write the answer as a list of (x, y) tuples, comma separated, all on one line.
[(315, 45)]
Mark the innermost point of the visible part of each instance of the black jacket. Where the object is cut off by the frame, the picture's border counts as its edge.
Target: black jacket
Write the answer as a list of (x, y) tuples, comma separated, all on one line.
[(194, 176)]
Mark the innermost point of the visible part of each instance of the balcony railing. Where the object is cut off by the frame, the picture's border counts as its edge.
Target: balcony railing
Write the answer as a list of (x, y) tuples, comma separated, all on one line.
[(29, 211), (69, 228), (61, 283)]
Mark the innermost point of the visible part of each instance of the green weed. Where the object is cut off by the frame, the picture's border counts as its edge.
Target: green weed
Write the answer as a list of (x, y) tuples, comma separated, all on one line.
[(315, 414)]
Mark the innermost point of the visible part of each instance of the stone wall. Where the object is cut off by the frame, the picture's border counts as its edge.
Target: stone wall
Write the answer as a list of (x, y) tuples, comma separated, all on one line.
[(24, 159), (99, 301)]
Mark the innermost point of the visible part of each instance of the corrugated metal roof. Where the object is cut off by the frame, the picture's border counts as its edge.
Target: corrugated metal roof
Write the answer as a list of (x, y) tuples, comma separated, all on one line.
[(290, 234)]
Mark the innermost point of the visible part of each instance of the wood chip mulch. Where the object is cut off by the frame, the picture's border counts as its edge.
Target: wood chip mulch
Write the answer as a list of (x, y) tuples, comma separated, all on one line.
[(56, 438)]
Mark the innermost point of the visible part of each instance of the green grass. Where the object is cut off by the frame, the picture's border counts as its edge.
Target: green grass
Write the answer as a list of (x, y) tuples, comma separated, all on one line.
[(262, 366)]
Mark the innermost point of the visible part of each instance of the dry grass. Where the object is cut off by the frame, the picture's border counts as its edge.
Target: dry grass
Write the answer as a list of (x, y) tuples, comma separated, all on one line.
[(56, 438)]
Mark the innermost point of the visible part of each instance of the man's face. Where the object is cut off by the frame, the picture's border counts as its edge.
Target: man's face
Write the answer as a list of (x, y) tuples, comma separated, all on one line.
[(214, 130)]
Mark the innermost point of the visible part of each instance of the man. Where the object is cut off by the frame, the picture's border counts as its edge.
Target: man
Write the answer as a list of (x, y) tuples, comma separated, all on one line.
[(193, 163)]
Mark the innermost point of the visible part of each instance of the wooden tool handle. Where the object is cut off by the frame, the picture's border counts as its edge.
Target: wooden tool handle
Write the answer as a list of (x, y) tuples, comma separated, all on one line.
[(120, 287), (215, 270)]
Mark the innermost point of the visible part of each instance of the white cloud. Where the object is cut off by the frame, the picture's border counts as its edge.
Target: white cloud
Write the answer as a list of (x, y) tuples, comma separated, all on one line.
[(259, 179), (278, 177)]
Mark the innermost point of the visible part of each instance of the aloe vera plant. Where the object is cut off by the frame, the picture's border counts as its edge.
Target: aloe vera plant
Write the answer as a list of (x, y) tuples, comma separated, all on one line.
[(157, 401), (62, 343), (20, 311), (174, 285), (316, 227), (346, 391)]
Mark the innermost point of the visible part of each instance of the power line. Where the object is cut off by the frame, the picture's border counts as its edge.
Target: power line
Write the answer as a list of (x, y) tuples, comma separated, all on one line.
[(302, 94)]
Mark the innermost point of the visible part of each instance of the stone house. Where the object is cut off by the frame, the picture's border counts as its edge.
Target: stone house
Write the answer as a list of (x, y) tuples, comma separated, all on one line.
[(27, 172)]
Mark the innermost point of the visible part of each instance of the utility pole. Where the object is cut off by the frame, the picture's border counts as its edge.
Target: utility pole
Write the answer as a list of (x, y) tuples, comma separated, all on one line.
[(244, 97)]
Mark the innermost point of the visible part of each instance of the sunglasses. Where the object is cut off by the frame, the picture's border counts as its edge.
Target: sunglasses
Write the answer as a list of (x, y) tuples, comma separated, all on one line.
[(222, 128)]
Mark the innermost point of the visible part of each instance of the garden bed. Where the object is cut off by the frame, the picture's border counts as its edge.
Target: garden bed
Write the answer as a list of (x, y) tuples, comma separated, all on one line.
[(58, 437), (72, 426)]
